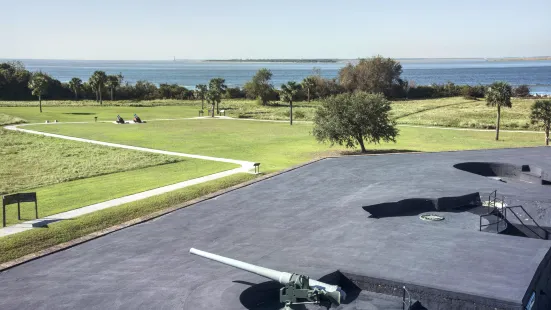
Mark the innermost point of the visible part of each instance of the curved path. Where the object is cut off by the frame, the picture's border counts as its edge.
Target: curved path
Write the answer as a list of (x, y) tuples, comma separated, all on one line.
[(245, 167)]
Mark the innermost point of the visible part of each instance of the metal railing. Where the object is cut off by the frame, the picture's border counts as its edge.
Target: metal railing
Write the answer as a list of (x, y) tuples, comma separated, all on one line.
[(406, 303), (501, 215), (545, 231)]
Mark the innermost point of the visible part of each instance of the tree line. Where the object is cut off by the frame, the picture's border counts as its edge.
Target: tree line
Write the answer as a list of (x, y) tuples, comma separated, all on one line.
[(375, 75), (355, 106)]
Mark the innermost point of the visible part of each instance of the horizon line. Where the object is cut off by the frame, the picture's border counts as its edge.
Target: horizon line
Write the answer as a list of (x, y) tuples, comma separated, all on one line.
[(283, 59)]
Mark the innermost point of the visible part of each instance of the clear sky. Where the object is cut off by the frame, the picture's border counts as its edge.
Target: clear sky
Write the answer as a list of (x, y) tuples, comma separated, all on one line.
[(161, 29)]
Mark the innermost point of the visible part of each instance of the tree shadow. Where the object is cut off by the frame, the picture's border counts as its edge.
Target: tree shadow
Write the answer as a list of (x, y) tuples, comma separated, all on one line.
[(374, 152), (279, 105), (416, 206), (80, 113)]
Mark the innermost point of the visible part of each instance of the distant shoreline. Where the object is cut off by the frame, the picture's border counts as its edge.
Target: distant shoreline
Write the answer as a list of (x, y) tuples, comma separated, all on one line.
[(336, 60), (289, 60), (278, 60)]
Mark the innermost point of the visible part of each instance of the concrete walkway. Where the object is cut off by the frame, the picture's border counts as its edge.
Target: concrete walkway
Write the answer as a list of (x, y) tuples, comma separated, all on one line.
[(246, 167)]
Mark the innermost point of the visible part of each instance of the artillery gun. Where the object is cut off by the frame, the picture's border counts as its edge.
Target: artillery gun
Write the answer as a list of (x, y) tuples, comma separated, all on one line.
[(298, 289)]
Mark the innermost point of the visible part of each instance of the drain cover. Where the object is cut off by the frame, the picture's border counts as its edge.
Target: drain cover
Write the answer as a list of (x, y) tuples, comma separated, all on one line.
[(431, 217)]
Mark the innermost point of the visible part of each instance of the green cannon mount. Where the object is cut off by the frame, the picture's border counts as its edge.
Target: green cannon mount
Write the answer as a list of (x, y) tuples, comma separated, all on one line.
[(299, 292)]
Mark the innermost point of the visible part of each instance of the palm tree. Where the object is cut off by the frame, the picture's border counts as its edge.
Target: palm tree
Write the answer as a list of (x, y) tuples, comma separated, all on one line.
[(39, 85), (217, 87), (309, 83), (75, 84), (541, 113), (214, 94), (112, 82), (499, 94), (200, 92), (98, 79), (289, 92)]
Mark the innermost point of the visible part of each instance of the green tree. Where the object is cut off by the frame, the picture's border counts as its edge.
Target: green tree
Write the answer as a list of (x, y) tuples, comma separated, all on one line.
[(215, 92), (374, 75), (499, 94), (289, 92), (522, 91), (351, 119), (201, 92), (75, 84), (309, 84), (541, 113), (260, 86), (98, 80), (39, 85), (112, 82)]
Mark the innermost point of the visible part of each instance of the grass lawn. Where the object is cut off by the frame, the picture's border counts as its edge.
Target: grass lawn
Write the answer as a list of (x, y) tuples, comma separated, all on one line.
[(31, 241), (68, 175), (105, 113), (275, 145), (67, 196), (446, 112), (31, 161), (6, 119), (460, 112)]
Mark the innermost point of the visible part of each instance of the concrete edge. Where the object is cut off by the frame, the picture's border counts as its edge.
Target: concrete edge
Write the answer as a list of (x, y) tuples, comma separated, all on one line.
[(425, 293), (69, 244)]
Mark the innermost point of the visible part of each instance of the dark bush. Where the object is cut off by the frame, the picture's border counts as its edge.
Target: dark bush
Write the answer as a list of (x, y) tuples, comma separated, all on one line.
[(521, 91), (234, 93), (473, 92)]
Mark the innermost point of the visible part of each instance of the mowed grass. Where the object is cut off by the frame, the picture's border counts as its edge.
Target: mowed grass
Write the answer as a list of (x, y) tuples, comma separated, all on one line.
[(68, 175), (104, 113), (31, 241), (6, 119), (276, 145), (460, 112), (67, 196), (93, 103), (445, 112), (30, 161)]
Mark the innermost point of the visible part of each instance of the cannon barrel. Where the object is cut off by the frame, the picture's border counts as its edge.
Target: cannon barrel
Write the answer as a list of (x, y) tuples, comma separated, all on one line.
[(279, 276)]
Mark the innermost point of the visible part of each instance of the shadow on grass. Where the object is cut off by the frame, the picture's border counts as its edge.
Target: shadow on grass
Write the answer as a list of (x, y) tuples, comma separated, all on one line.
[(375, 152), (279, 105), (80, 113)]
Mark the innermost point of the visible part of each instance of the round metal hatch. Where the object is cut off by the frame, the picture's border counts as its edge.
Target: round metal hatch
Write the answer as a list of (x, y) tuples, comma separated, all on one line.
[(431, 217)]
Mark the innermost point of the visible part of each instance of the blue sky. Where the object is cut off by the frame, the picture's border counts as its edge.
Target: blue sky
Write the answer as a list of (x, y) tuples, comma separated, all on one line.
[(161, 29)]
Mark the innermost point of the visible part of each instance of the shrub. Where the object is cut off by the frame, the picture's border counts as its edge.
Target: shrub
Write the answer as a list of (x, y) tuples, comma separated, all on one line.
[(473, 92), (521, 91), (299, 114)]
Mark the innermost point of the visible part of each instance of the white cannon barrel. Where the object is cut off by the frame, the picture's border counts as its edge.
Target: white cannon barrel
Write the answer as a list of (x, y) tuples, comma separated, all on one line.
[(279, 276)]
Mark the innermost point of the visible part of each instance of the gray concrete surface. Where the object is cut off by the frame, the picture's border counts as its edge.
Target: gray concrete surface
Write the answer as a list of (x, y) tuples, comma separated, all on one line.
[(309, 221)]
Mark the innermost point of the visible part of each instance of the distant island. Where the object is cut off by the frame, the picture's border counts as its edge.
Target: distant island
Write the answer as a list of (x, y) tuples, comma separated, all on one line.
[(276, 60), (520, 58), (405, 60)]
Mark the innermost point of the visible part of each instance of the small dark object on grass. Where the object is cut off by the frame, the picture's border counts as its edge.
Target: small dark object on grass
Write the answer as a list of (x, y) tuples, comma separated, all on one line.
[(120, 120), (137, 119)]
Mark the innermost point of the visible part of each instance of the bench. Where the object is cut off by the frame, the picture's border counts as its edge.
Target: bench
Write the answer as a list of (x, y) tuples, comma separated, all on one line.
[(18, 199), (201, 112)]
